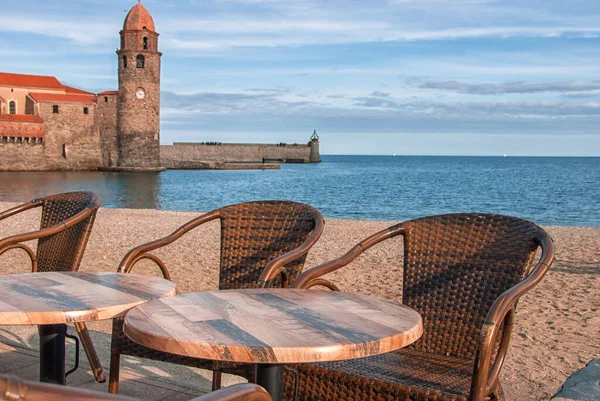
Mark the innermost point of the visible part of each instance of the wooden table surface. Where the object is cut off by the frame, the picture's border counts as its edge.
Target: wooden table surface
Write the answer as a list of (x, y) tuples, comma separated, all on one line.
[(273, 326), (62, 297)]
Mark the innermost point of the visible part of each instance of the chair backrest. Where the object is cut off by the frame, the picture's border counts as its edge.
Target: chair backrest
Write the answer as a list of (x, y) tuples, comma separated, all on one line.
[(64, 250), (455, 266), (254, 233)]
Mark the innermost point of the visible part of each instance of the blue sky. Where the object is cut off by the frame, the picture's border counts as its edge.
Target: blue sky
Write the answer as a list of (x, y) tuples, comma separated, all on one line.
[(436, 77)]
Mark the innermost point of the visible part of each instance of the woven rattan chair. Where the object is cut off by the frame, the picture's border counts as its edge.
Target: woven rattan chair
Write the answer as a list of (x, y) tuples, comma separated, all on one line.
[(15, 389), (464, 274), (66, 224), (262, 244)]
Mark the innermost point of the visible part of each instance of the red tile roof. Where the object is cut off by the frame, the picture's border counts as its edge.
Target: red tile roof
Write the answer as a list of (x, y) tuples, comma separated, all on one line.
[(60, 98), (108, 93), (21, 126), (138, 18), (29, 81), (24, 118), (76, 91)]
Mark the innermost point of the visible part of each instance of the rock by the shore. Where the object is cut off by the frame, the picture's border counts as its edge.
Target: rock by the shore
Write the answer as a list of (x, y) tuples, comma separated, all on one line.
[(582, 385)]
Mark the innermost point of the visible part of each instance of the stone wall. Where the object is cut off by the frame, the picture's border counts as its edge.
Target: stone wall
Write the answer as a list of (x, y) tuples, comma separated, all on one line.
[(178, 153), (138, 117), (71, 142), (22, 157), (315, 153), (106, 123), (133, 40), (31, 157), (68, 125)]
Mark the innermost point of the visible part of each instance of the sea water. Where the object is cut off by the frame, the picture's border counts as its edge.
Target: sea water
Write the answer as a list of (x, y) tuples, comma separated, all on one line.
[(545, 190)]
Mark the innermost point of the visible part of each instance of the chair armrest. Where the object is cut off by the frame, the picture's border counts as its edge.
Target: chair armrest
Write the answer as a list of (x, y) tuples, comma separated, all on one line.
[(239, 392), (494, 373), (485, 375), (20, 208), (311, 277), (15, 389), (28, 250), (14, 241), (276, 267), (322, 283), (141, 252)]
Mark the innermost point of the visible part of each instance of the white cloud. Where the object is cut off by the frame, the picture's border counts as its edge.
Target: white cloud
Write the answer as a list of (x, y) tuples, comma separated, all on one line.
[(226, 25), (507, 87), (284, 102), (83, 32), (231, 34), (269, 23)]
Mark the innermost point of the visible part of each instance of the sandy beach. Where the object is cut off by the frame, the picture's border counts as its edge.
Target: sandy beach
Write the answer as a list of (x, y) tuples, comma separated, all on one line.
[(557, 324)]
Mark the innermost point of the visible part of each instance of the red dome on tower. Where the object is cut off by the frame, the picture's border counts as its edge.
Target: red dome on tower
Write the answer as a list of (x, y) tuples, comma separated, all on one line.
[(138, 18)]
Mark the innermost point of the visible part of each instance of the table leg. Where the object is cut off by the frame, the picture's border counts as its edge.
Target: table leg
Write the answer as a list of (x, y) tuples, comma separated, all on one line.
[(270, 377), (52, 353)]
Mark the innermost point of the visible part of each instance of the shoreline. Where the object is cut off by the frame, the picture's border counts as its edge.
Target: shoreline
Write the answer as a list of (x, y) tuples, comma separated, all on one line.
[(4, 205), (555, 332)]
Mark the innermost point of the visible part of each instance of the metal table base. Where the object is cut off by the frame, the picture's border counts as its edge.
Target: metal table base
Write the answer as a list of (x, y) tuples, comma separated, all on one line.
[(52, 353)]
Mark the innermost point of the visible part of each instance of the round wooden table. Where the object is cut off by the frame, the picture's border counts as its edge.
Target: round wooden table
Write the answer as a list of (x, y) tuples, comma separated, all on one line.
[(50, 300), (273, 327)]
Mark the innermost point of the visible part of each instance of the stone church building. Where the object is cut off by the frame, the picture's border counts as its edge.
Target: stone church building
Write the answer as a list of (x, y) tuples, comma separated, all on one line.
[(45, 125)]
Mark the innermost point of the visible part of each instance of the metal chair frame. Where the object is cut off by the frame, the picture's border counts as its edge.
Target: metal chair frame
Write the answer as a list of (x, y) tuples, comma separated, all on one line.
[(57, 249), (494, 335)]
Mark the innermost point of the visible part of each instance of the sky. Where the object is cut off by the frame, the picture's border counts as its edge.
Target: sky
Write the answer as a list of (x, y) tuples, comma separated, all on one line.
[(410, 77)]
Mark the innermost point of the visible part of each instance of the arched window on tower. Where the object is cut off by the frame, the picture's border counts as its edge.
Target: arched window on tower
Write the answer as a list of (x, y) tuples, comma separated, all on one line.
[(124, 61), (140, 61), (145, 43), (12, 107)]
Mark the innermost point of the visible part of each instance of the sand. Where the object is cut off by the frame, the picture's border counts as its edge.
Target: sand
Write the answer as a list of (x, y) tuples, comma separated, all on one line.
[(557, 327)]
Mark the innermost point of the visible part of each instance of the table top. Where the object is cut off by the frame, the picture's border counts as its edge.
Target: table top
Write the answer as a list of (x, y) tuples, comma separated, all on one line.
[(274, 325), (61, 297)]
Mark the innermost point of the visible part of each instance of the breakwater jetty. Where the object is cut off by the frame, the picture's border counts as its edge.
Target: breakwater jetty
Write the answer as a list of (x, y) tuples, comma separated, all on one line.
[(195, 155)]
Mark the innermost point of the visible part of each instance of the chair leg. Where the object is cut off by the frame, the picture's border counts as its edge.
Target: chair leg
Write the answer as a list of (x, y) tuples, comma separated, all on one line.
[(216, 380), (113, 377), (90, 351)]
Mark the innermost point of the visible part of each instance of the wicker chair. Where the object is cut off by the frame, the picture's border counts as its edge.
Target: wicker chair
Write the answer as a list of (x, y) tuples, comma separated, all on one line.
[(15, 389), (464, 274), (262, 244), (66, 224)]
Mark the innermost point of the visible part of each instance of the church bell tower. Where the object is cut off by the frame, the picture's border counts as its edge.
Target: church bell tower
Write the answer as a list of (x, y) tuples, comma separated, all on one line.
[(138, 112)]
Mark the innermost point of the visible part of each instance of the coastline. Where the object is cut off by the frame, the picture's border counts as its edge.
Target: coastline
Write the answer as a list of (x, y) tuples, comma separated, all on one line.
[(556, 325)]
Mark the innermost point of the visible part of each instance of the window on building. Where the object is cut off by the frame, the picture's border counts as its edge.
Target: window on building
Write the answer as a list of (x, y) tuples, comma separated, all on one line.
[(105, 99), (124, 61), (145, 43), (86, 110), (55, 109), (140, 61), (12, 107)]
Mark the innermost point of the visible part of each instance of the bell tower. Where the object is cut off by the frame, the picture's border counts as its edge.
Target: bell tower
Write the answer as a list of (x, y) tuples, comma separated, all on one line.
[(138, 112)]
